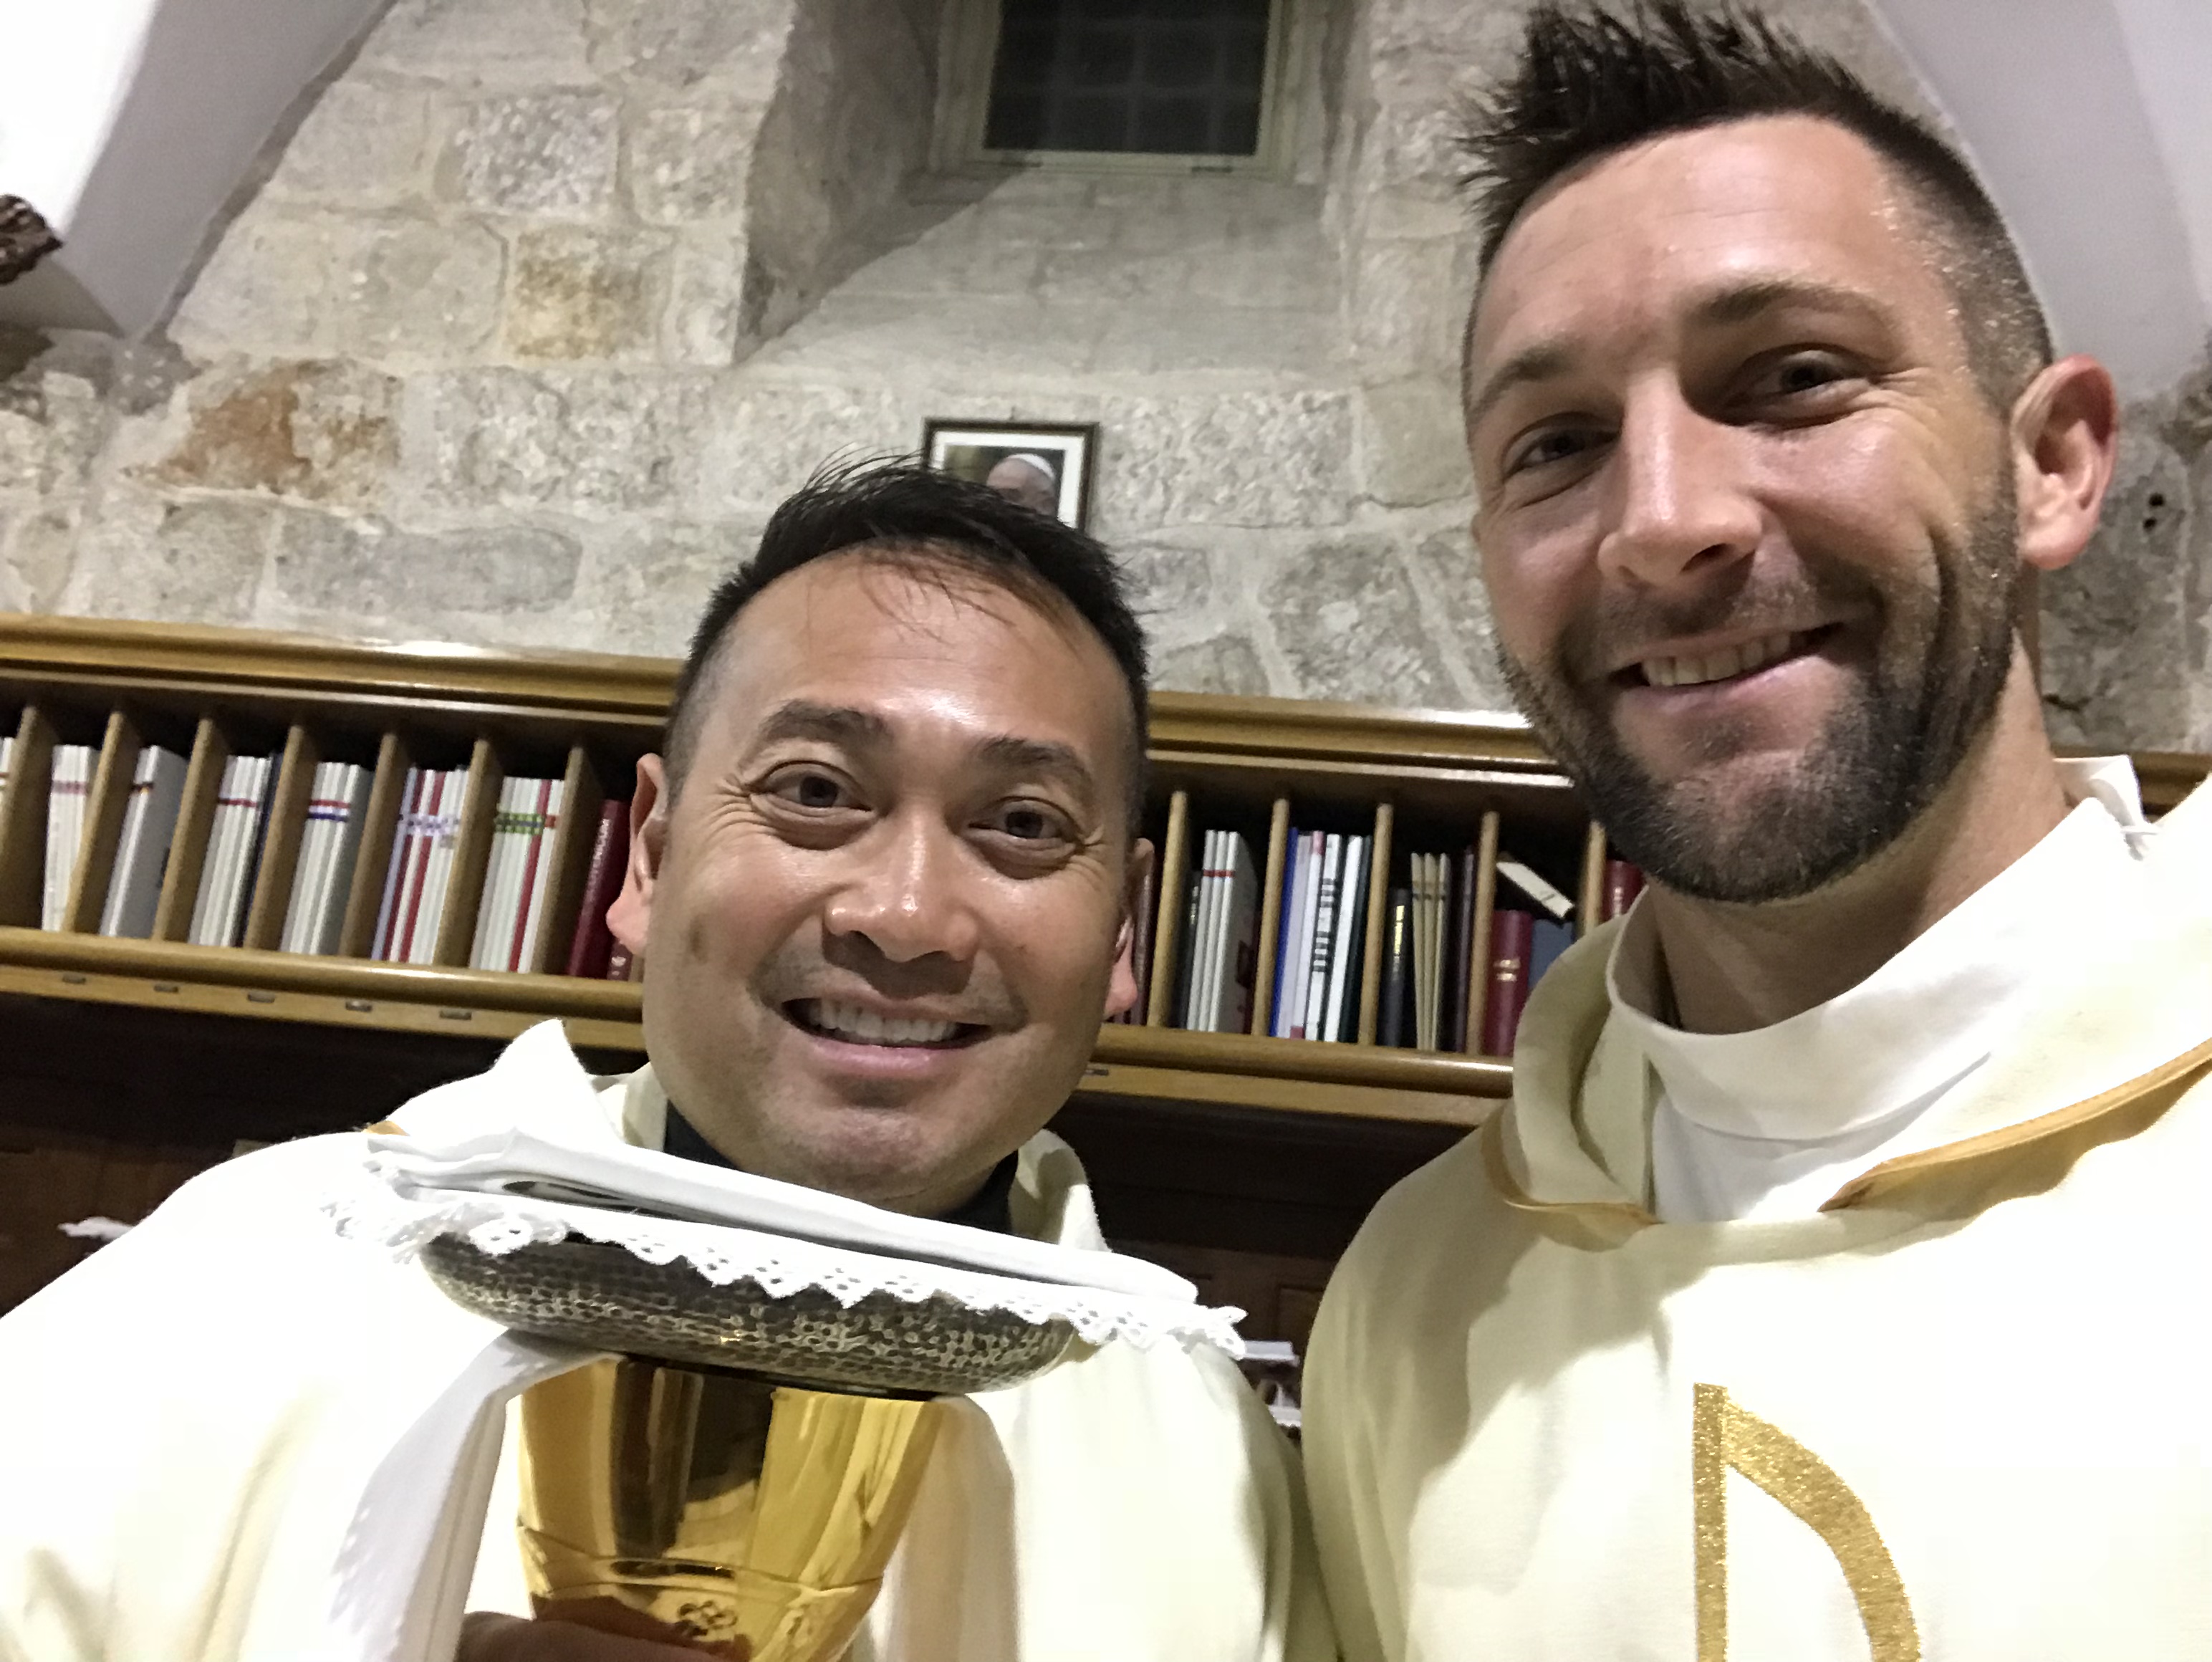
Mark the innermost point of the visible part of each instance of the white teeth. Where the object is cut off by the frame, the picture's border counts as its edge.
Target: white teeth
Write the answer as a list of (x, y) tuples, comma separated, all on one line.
[(850, 1021), (1720, 664)]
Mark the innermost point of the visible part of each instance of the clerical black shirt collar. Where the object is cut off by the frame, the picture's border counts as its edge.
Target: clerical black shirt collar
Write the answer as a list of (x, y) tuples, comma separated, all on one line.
[(991, 1207)]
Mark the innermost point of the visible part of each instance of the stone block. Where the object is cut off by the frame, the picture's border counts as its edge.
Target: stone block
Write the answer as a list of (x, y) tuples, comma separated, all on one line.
[(642, 586), (322, 564), (550, 154), (1167, 583), (1448, 569), (37, 549), (1223, 664), (365, 143), (575, 293), (690, 162), (1234, 458), (415, 292), (52, 424), (1275, 266), (1350, 624), (593, 441), (1282, 348), (762, 440), (708, 321), (1412, 447), (475, 42), (269, 287), (737, 44), (179, 562), (319, 432), (1408, 306)]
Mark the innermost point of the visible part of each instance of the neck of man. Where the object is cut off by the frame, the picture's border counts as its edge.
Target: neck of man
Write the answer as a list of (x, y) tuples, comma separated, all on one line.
[(1733, 968)]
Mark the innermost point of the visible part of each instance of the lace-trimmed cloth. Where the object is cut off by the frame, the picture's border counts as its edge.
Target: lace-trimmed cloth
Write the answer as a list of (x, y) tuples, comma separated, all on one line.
[(505, 1192)]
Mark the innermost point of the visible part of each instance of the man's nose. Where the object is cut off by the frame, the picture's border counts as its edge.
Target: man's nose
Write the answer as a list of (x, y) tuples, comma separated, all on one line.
[(909, 894), (1680, 504)]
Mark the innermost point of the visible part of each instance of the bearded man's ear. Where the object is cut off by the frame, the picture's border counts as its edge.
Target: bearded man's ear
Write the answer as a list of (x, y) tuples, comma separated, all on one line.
[(2065, 434)]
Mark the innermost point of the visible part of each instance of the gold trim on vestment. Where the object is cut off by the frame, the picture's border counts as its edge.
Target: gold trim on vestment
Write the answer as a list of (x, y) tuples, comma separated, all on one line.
[(2042, 1150), (1723, 1435), (2068, 1133), (1492, 1137)]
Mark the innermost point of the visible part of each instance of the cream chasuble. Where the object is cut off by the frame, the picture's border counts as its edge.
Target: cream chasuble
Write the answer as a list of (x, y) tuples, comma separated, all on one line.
[(1959, 1411), (192, 1416)]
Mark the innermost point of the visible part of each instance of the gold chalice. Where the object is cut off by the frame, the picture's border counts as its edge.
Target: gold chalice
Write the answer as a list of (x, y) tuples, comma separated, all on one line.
[(737, 1479)]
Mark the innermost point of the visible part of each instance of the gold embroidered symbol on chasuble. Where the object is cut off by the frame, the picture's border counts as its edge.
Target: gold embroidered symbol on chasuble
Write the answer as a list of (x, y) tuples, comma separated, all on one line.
[(1723, 1436)]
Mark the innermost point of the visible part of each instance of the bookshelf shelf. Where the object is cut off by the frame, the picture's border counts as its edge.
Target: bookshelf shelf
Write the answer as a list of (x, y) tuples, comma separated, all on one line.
[(1402, 779)]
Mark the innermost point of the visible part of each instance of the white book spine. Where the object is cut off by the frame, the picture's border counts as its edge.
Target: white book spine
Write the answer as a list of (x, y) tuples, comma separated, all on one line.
[(1193, 994), (149, 828), (1527, 880), (493, 929), (1292, 1015), (72, 778), (1207, 967), (126, 843), (344, 858), (211, 857), (1332, 871), (537, 870), (438, 869), (7, 759), (1237, 970), (300, 901), (395, 867), (1351, 935), (1294, 873), (246, 871)]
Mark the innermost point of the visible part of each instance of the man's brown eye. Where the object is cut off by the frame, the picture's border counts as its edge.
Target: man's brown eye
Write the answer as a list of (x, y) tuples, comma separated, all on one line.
[(1025, 823), (810, 790)]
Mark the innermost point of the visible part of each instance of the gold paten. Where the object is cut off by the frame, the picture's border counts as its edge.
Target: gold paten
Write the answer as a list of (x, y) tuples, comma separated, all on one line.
[(752, 1520)]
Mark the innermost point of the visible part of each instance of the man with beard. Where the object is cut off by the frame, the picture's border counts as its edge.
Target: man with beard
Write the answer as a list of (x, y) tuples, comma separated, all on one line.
[(1828, 1286)]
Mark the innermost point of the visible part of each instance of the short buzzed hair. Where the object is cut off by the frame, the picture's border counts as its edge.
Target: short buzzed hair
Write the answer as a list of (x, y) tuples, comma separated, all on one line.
[(1591, 83), (898, 512)]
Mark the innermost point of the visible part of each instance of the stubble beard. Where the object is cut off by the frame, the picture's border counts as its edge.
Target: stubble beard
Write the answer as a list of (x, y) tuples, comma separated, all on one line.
[(1944, 647)]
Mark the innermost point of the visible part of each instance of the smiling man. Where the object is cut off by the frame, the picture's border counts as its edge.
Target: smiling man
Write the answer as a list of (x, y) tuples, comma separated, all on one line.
[(881, 882), (1825, 1288)]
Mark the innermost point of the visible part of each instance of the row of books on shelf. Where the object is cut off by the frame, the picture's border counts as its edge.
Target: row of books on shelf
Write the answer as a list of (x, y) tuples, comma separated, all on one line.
[(511, 912), (1441, 987)]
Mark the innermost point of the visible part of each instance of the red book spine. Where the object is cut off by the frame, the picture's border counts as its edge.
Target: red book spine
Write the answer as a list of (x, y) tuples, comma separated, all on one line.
[(589, 947), (620, 965), (1512, 935), (1623, 883)]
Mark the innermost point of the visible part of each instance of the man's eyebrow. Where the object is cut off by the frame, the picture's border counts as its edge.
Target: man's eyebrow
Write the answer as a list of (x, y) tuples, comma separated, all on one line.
[(1742, 302), (837, 724), (1539, 360), (1043, 756)]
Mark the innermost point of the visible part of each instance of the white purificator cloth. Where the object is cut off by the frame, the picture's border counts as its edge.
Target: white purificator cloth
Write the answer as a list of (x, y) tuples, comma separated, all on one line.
[(402, 1576)]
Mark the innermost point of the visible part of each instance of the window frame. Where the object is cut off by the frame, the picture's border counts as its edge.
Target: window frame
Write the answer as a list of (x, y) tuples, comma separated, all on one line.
[(965, 60)]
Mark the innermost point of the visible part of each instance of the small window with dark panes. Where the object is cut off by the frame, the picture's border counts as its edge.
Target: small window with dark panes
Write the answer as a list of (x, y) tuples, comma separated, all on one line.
[(1136, 77)]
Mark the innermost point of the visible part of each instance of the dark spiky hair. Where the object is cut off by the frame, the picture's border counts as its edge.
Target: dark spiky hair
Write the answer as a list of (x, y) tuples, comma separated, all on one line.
[(897, 513), (1591, 83)]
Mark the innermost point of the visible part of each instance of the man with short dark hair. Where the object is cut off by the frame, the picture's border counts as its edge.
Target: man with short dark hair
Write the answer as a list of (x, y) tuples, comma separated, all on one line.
[(1796, 1305), (881, 886)]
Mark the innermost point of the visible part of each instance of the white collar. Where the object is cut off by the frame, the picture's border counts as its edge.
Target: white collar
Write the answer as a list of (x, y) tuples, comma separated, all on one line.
[(1931, 1014)]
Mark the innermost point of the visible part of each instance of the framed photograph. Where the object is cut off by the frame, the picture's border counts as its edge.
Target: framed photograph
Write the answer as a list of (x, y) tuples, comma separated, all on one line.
[(1041, 467)]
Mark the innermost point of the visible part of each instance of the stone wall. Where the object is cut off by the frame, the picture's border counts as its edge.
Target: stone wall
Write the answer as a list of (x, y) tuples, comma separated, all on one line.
[(546, 302)]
